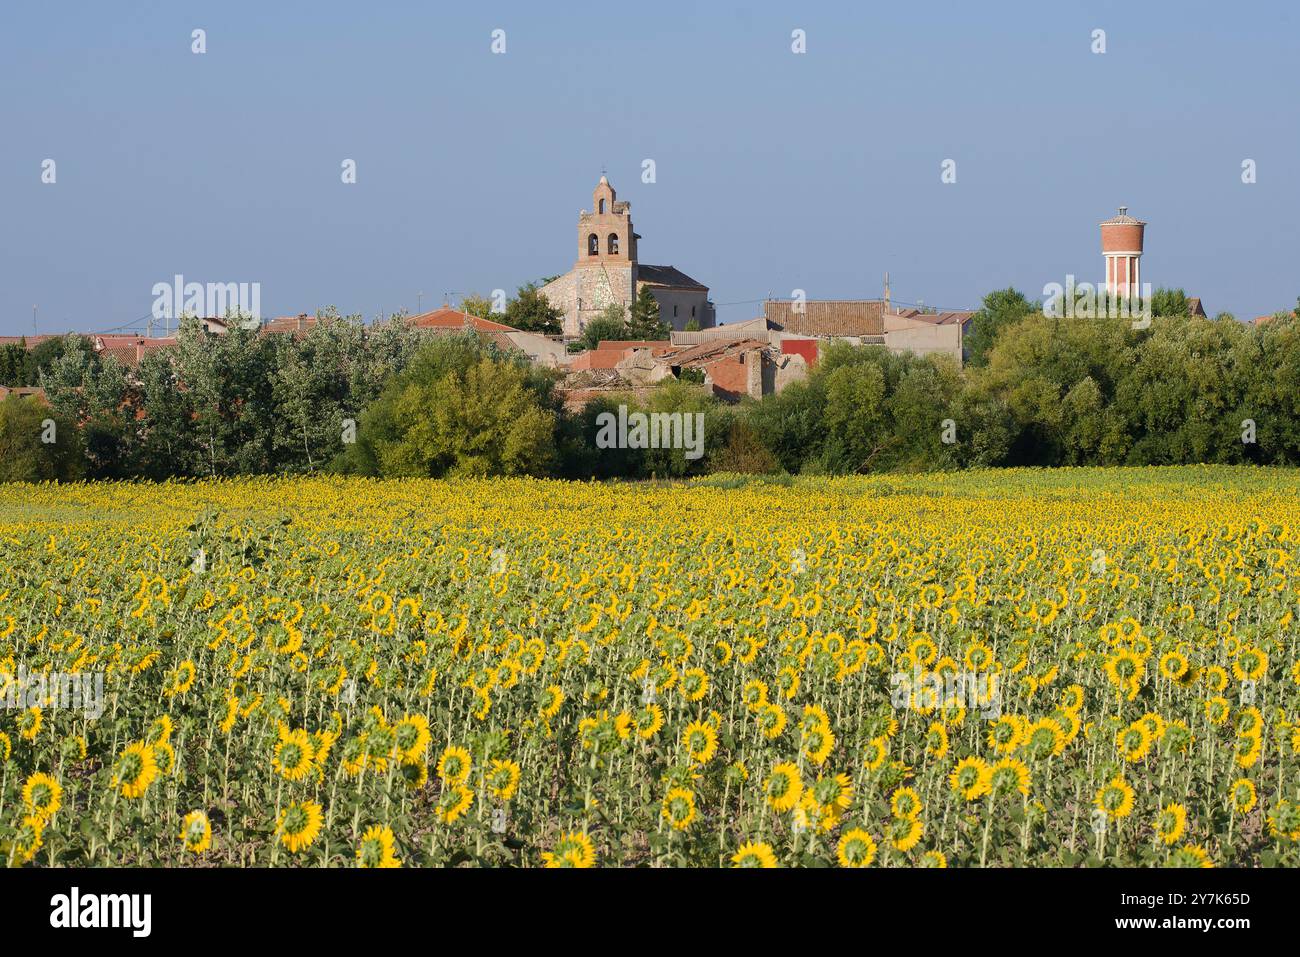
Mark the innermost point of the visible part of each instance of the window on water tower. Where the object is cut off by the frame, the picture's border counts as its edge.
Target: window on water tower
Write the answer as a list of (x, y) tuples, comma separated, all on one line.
[(593, 245), (613, 244)]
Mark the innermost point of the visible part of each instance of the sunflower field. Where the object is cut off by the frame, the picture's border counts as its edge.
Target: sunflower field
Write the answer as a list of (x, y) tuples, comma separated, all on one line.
[(320, 672)]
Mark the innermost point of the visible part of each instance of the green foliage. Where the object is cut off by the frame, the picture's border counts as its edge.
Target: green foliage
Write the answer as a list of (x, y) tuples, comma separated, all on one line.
[(460, 409), (37, 444), (1046, 392), (1000, 309), (744, 453), (476, 305), (239, 403), (644, 321), (610, 325), (20, 366), (584, 457), (1169, 302), (15, 362), (530, 311)]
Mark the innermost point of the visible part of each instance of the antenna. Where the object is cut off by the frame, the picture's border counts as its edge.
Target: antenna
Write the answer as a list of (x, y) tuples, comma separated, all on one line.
[(419, 299)]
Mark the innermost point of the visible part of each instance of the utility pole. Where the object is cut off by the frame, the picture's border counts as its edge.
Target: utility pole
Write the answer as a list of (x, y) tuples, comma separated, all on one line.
[(33, 319), (419, 301)]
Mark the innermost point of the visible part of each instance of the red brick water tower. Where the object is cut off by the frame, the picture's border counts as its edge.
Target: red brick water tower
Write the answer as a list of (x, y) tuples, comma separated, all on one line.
[(1121, 244)]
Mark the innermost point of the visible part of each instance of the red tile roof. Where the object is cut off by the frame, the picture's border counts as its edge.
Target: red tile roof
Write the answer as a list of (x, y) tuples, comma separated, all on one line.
[(448, 318), (130, 350), (299, 323)]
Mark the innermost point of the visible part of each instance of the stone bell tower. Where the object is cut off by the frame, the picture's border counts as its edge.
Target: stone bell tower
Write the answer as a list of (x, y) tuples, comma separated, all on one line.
[(605, 234), (605, 270)]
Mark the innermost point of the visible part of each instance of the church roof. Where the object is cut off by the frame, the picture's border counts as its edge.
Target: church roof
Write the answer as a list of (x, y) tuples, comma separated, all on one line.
[(669, 276)]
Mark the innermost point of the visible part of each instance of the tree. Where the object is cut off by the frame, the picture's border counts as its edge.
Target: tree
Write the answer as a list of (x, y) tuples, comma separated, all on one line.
[(462, 408), (36, 443), (15, 362), (744, 453), (477, 305), (95, 394), (1169, 302), (644, 320), (530, 311), (611, 324), (1000, 309), (50, 351), (692, 325), (1035, 365)]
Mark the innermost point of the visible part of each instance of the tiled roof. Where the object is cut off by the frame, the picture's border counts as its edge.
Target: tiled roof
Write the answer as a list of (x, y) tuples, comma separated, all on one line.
[(827, 317), (707, 352), (633, 344), (129, 350), (448, 318), (937, 318), (1123, 219), (748, 328), (299, 323), (669, 276)]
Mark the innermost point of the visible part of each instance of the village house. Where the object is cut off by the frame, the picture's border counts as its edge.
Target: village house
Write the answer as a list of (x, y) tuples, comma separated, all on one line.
[(799, 326)]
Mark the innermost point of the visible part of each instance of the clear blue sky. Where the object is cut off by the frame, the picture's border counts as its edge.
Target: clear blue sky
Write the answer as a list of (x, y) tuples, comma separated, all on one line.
[(776, 171)]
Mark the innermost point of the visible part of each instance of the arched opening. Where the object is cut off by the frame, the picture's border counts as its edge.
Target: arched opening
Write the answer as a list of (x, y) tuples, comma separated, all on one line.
[(602, 205), (593, 245), (613, 244)]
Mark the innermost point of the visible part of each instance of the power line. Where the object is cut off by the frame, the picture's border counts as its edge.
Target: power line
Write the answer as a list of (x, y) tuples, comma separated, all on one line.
[(893, 300)]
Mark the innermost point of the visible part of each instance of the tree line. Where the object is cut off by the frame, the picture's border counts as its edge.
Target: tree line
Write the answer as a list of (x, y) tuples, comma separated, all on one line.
[(391, 401)]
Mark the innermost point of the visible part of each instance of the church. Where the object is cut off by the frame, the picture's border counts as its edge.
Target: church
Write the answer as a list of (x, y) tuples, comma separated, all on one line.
[(607, 271)]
